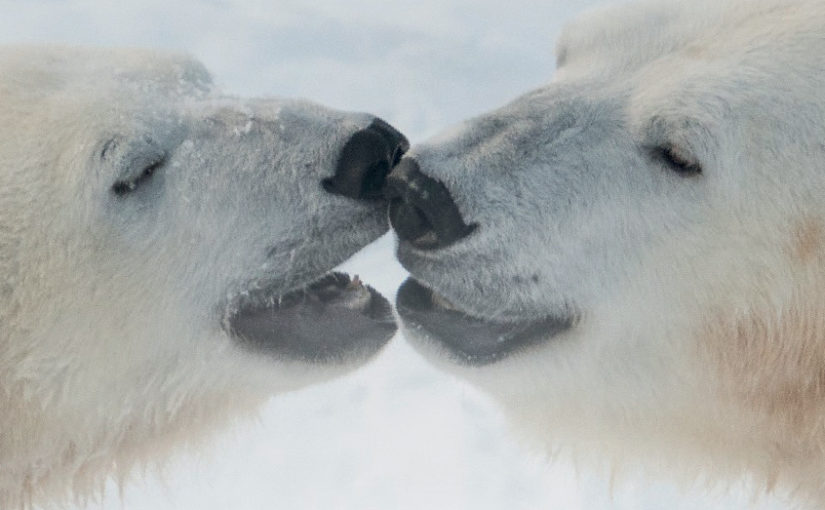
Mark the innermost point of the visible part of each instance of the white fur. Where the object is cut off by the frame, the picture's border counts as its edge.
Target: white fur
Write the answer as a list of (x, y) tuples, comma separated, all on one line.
[(111, 340), (699, 300)]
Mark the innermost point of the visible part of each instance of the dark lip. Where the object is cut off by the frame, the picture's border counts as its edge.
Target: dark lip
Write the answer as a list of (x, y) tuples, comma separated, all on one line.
[(469, 340), (333, 319)]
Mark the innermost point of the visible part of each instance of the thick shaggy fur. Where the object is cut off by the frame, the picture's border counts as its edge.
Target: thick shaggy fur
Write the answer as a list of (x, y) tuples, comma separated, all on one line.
[(112, 305), (698, 299)]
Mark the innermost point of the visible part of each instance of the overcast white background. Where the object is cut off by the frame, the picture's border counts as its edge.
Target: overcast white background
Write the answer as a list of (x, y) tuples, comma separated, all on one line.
[(396, 434)]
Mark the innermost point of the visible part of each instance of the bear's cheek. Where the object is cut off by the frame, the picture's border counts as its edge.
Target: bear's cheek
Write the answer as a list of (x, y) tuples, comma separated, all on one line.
[(770, 359)]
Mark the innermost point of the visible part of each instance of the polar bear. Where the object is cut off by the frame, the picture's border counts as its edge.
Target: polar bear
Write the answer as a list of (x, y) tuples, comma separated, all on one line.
[(164, 258), (631, 259)]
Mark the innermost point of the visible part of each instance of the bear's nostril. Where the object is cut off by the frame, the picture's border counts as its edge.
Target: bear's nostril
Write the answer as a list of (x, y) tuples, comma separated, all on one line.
[(399, 153), (411, 223), (365, 160)]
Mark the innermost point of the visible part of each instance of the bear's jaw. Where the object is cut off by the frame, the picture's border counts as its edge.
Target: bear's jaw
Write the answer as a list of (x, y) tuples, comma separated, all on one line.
[(469, 340), (333, 319)]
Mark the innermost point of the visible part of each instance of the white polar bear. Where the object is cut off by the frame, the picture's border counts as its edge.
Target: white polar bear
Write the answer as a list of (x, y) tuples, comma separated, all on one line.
[(632, 258), (162, 258)]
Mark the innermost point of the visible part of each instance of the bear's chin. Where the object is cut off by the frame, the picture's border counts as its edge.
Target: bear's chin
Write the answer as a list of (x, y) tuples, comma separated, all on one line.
[(469, 340), (334, 319)]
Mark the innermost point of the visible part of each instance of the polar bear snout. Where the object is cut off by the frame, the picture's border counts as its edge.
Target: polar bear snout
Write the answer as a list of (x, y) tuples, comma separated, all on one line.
[(365, 160), (422, 211)]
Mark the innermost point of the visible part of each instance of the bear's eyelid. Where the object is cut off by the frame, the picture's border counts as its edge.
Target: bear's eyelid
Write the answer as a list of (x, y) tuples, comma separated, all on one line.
[(147, 169), (676, 159)]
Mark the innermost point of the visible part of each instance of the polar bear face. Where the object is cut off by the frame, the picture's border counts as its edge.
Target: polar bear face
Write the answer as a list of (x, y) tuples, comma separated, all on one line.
[(164, 254), (632, 255)]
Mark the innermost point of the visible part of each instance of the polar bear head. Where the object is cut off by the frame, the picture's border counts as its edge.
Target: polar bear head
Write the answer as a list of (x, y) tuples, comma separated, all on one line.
[(164, 256), (632, 258)]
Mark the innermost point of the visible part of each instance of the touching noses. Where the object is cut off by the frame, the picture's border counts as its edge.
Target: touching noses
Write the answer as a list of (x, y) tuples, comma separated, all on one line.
[(371, 167)]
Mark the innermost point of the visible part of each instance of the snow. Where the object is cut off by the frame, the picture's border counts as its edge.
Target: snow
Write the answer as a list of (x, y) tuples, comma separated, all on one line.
[(397, 434)]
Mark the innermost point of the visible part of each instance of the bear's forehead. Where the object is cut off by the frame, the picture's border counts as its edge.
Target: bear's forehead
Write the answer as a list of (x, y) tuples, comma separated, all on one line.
[(693, 61), (621, 39), (51, 69)]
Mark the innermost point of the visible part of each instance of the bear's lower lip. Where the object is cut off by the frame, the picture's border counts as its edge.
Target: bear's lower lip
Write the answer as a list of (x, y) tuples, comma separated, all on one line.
[(470, 341), (334, 319)]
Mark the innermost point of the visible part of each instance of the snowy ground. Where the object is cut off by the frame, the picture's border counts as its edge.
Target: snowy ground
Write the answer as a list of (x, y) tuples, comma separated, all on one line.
[(395, 435)]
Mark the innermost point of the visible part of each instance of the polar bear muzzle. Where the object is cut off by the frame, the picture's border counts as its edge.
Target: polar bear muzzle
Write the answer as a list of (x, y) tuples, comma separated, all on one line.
[(333, 318), (424, 216)]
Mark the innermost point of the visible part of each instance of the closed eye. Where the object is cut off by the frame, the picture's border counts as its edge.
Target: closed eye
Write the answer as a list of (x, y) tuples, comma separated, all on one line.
[(676, 161), (128, 185)]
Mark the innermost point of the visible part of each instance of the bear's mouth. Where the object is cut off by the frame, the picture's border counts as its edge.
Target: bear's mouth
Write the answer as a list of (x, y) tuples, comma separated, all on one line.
[(469, 340), (334, 319)]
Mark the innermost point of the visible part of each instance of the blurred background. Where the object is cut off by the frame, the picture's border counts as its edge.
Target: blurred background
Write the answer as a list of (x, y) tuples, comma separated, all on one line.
[(396, 435)]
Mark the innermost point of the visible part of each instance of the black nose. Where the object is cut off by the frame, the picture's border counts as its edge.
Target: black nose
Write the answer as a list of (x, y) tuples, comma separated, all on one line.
[(365, 161), (422, 210)]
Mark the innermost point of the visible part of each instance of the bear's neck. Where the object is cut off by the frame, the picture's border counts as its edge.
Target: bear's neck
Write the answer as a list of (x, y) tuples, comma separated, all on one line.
[(48, 457)]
